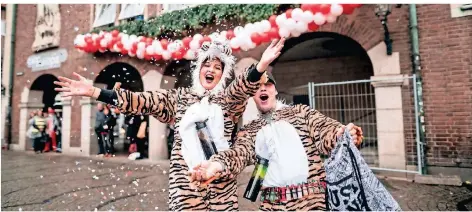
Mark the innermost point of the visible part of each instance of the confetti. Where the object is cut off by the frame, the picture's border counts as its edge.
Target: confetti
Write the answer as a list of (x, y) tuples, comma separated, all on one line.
[(41, 176), (75, 28)]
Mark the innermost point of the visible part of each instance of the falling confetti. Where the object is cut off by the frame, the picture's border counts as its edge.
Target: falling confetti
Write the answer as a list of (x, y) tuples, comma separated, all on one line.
[(95, 177), (164, 172), (41, 176), (85, 68), (75, 28)]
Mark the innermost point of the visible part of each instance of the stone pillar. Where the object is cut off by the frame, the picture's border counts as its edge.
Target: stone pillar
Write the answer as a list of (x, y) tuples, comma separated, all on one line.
[(66, 126), (86, 129), (153, 80), (389, 108)]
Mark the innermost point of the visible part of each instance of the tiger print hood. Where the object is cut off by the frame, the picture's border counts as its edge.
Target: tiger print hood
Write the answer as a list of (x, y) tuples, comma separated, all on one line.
[(217, 48)]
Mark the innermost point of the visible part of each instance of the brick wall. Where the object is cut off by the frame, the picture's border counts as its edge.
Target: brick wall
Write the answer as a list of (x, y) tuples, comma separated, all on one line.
[(446, 57)]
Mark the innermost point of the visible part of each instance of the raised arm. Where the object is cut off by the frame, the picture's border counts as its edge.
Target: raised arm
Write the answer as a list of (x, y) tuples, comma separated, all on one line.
[(322, 129)]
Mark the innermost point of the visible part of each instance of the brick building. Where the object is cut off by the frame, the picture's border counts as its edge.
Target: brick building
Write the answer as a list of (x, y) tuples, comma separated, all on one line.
[(362, 83)]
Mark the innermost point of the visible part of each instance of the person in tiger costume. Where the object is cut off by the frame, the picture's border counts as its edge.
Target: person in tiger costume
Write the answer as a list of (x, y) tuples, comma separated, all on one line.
[(208, 99), (290, 139)]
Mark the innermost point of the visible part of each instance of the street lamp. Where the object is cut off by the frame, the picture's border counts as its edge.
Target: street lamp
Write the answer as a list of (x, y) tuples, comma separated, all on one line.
[(382, 11)]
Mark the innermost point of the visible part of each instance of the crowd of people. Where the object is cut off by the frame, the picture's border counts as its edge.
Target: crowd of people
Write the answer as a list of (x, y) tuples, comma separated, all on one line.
[(107, 122), (44, 130)]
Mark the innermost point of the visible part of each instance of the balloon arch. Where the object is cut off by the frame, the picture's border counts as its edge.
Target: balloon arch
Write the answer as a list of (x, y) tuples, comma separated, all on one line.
[(291, 23)]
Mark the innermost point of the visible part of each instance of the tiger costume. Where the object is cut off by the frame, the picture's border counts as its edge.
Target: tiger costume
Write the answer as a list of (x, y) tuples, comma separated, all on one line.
[(303, 132), (171, 106)]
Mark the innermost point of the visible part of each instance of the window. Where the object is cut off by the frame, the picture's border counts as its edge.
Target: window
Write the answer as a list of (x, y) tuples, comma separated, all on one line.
[(461, 10), (105, 14), (131, 11), (172, 7)]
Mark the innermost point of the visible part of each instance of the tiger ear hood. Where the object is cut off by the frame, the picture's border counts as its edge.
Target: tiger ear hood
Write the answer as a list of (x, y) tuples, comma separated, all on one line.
[(218, 48)]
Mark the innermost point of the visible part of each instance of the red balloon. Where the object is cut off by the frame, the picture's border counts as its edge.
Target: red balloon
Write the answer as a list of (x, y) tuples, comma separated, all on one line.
[(256, 38), (147, 57), (265, 37), (124, 52), (305, 7), (229, 34), (119, 44), (325, 9), (187, 41), (206, 38), (288, 13), (347, 9), (313, 27), (272, 19), (164, 44), (157, 57), (177, 55), (235, 50), (115, 33), (88, 40), (315, 8), (356, 5), (274, 33)]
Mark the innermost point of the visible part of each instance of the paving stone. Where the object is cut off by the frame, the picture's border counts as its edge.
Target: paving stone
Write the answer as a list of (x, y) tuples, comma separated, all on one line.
[(85, 183)]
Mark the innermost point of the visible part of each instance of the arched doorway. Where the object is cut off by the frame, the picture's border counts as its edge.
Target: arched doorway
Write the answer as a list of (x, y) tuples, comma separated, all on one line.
[(328, 67), (42, 96), (176, 75), (130, 79)]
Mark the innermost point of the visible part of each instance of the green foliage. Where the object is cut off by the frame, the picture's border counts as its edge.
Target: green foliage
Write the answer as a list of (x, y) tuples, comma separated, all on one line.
[(180, 22)]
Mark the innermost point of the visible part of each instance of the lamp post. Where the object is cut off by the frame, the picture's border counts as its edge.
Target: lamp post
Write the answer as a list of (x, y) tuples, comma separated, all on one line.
[(382, 11)]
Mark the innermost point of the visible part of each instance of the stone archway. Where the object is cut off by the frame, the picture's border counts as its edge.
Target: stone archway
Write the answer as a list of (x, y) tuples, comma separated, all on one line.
[(40, 96), (130, 79)]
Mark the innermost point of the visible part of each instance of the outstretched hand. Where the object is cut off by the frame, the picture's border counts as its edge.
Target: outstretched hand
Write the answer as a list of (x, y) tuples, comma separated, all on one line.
[(205, 172), (270, 54), (355, 131), (80, 87)]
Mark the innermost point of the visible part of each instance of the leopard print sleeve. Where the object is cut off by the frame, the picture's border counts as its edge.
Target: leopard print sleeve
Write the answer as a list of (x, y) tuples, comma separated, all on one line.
[(244, 86), (241, 154), (322, 129), (161, 103)]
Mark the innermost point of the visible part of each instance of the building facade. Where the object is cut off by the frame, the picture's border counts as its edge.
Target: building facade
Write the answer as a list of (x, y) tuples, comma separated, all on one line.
[(342, 69)]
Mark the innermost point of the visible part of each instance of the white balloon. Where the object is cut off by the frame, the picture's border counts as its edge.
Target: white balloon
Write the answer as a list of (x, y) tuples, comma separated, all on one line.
[(319, 19), (290, 24), (279, 20), (194, 44), (297, 14), (295, 34), (284, 33), (301, 27), (127, 45), (108, 36), (336, 9), (101, 33), (94, 37), (141, 45), (131, 54), (116, 48), (234, 43), (124, 38), (252, 45), (80, 41), (250, 28), (140, 55), (265, 24), (166, 55), (172, 47), (190, 55), (132, 38), (307, 16), (331, 18), (223, 34), (103, 43), (238, 30), (150, 50), (197, 37)]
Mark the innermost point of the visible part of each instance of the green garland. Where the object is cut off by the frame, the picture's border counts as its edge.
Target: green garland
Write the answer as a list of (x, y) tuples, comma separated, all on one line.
[(182, 22)]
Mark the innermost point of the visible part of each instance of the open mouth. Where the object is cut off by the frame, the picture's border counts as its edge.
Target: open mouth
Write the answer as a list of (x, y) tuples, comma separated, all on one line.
[(264, 97), (209, 78)]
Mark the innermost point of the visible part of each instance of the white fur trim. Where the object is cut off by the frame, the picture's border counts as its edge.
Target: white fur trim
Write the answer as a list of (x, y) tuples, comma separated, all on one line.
[(214, 50)]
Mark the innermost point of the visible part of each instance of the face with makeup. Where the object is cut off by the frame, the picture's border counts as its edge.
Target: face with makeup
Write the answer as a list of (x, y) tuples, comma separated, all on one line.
[(210, 73)]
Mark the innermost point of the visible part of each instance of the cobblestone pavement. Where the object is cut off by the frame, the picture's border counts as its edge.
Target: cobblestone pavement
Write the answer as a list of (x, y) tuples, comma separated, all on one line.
[(53, 181)]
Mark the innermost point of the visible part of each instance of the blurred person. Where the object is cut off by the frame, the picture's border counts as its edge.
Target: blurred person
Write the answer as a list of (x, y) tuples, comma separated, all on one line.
[(51, 130), (39, 133), (100, 120)]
